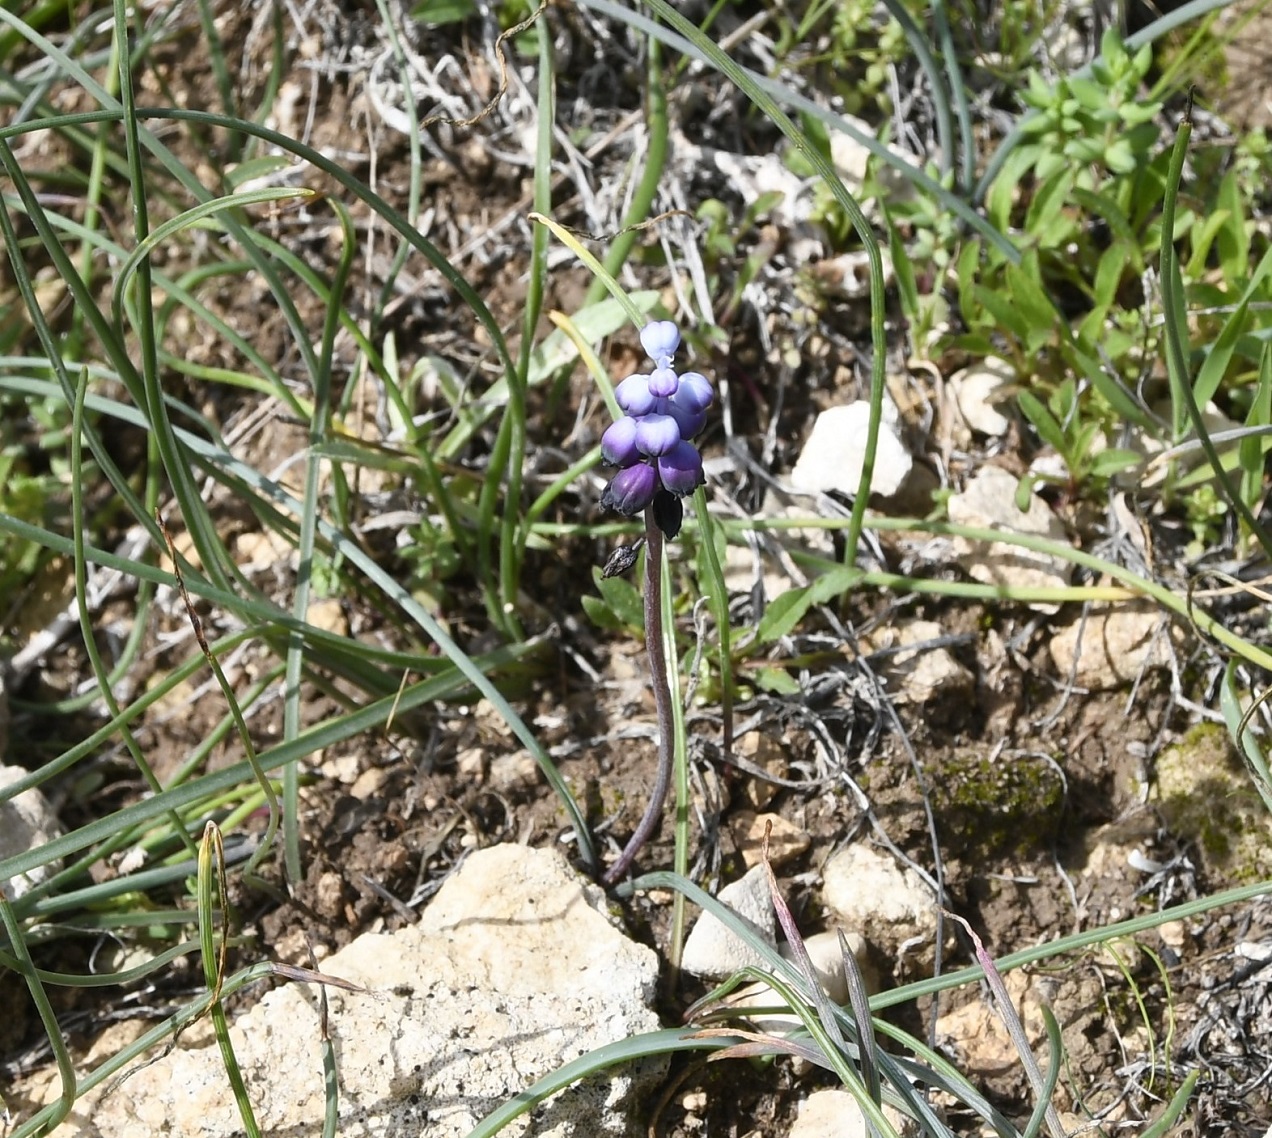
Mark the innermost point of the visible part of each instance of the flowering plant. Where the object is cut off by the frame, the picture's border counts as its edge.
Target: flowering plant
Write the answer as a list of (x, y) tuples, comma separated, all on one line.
[(652, 443)]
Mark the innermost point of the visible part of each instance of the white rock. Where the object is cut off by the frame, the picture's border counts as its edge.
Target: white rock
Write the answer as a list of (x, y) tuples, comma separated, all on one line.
[(755, 175), (1113, 647), (27, 821), (868, 892), (989, 502), (927, 672), (851, 158), (833, 455), (847, 275), (512, 971), (977, 389), (711, 949), (835, 1114), (786, 841), (828, 964)]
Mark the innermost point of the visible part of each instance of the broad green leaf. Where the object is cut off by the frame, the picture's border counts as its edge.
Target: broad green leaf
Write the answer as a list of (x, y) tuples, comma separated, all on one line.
[(1203, 236), (1110, 389), (1232, 242), (622, 597), (1033, 304)]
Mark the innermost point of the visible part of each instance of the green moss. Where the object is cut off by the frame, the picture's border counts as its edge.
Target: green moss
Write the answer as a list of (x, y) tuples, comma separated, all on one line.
[(998, 805), (1205, 796)]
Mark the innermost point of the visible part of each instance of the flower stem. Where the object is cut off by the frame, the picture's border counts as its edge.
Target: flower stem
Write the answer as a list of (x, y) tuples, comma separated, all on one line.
[(662, 701)]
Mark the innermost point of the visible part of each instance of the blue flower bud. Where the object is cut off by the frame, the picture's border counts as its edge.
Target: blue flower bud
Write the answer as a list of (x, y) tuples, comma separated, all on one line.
[(631, 490), (689, 422), (660, 339), (693, 392), (663, 383), (618, 443), (634, 396), (680, 469), (656, 434)]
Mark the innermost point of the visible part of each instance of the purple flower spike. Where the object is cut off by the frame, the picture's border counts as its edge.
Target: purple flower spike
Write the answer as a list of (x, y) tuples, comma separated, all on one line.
[(634, 396), (631, 490), (656, 434), (680, 469), (663, 383), (618, 443), (660, 339), (651, 443), (693, 392)]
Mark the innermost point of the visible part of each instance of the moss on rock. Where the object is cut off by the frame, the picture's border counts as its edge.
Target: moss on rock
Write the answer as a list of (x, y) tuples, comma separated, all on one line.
[(994, 805), (1205, 796)]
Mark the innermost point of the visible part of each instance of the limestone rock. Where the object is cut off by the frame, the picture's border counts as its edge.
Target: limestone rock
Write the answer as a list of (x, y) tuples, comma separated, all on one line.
[(786, 840), (927, 672), (868, 892), (835, 1114), (27, 821), (832, 457), (989, 502), (977, 390), (1112, 647), (711, 949), (512, 971)]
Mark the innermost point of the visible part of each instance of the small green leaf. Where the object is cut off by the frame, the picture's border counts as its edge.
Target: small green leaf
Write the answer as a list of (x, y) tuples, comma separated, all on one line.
[(600, 614), (1043, 422), (435, 13), (777, 681), (1024, 493), (1113, 461), (622, 597), (786, 611)]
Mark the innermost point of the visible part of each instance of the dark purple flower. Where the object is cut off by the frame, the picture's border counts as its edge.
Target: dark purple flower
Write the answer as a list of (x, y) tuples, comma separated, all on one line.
[(668, 513), (618, 444), (631, 490)]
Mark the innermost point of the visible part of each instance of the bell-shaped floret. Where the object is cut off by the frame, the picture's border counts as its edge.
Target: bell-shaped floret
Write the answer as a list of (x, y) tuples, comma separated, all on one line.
[(668, 513), (689, 422), (656, 434), (618, 443), (693, 392), (680, 469), (663, 382), (631, 490), (660, 339), (634, 396)]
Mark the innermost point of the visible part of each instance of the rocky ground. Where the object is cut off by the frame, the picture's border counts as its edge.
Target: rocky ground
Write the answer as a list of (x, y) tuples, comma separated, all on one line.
[(1038, 770)]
